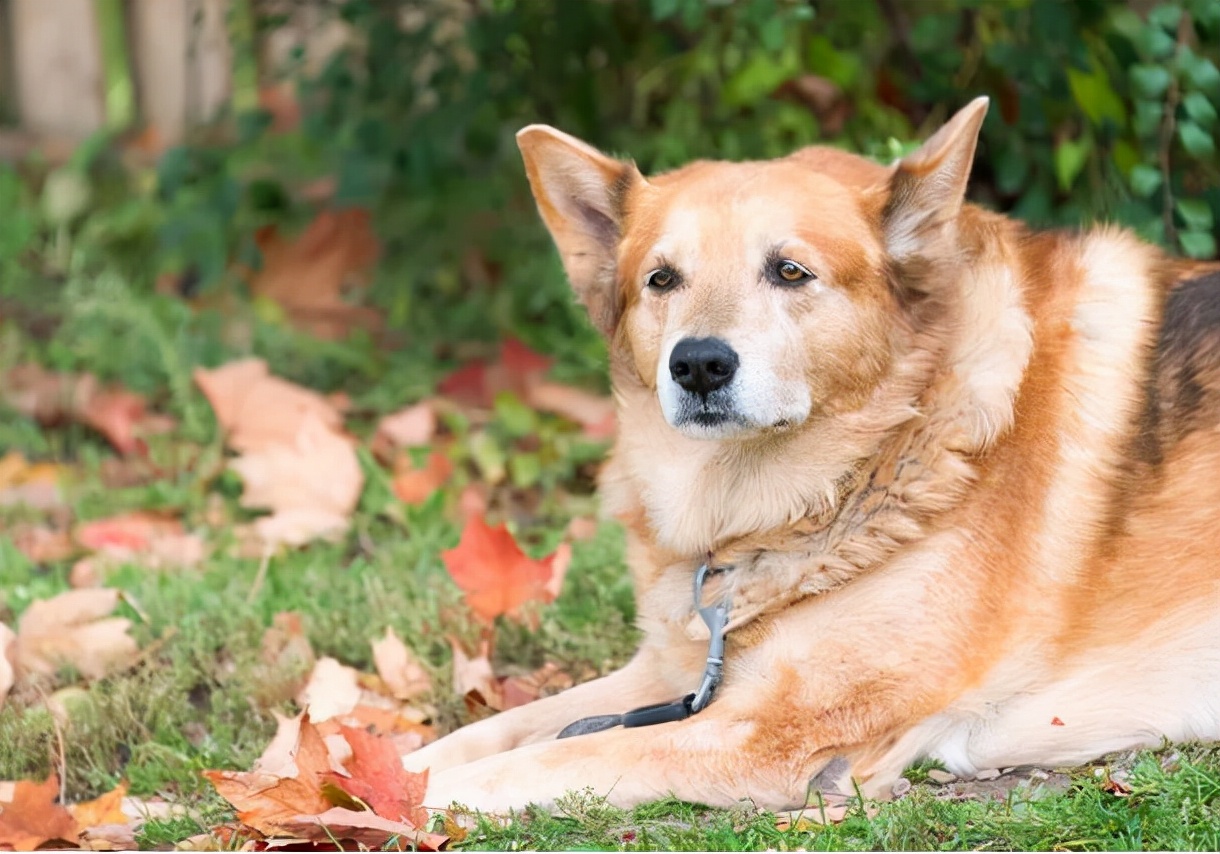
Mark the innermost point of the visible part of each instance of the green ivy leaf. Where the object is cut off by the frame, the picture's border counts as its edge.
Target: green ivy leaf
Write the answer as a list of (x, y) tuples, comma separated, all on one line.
[(1165, 16), (1144, 180), (1070, 157), (1200, 71), (1150, 81), (1199, 108), (1147, 119), (1198, 244), (1095, 97), (1196, 213), (1156, 43), (1196, 141)]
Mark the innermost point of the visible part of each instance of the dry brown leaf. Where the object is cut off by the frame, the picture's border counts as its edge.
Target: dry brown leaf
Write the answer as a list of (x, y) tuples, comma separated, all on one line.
[(108, 837), (362, 828), (594, 412), (107, 809), (32, 817), (257, 410), (42, 544), (8, 640), (401, 670), (473, 678), (35, 485), (285, 643), (308, 274), (407, 428), (73, 628), (546, 680), (311, 486), (50, 398), (333, 689)]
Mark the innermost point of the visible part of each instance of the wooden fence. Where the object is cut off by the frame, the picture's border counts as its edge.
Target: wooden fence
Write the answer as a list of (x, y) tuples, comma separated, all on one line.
[(69, 68)]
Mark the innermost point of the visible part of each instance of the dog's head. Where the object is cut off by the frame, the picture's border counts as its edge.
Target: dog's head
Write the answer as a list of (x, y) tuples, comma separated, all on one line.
[(752, 295)]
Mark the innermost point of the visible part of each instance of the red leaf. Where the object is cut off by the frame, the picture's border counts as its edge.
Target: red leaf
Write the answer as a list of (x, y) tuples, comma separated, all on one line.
[(378, 778), (518, 369), (1056, 722), (497, 577)]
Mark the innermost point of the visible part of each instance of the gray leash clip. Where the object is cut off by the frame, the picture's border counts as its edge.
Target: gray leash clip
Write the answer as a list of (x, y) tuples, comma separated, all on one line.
[(716, 617)]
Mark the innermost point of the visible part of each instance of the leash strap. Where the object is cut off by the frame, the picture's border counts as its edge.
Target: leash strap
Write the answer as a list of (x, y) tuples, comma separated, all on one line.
[(716, 618)]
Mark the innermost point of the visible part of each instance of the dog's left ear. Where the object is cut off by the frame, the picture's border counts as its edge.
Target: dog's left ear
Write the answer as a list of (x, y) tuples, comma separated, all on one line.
[(927, 187), (580, 193)]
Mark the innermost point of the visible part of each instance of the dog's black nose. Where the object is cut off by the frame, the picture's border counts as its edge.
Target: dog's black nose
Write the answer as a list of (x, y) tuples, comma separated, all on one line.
[(702, 365)]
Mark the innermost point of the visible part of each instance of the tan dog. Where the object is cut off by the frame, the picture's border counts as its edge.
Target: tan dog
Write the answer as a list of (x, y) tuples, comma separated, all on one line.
[(963, 477)]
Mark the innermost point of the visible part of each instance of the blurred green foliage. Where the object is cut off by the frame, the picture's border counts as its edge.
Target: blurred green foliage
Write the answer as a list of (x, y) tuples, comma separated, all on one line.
[(1100, 111)]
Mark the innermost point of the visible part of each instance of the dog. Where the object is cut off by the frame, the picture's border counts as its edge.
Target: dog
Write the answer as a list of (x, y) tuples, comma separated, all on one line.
[(951, 485)]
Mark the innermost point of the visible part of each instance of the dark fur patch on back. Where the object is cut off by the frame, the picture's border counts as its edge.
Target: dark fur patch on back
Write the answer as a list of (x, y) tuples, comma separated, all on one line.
[(1187, 369)]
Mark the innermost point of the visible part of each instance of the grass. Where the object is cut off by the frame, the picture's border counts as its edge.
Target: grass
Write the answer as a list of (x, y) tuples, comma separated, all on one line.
[(203, 697)]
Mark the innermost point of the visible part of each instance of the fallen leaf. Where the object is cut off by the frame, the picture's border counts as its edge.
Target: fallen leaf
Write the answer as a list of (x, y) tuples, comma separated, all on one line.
[(42, 544), (285, 643), (8, 639), (50, 397), (107, 809), (582, 528), (473, 678), (1056, 722), (519, 690), (399, 668), (311, 486), (497, 577), (286, 781), (378, 779), (35, 485), (73, 628), (108, 837), (595, 413), (307, 274), (32, 817), (144, 538), (257, 410), (415, 485), (518, 369), (333, 689), (363, 828), (407, 428)]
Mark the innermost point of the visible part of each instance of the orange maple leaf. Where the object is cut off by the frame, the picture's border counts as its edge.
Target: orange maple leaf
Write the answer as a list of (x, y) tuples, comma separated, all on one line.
[(379, 780), (286, 782), (415, 485), (32, 817), (107, 809), (497, 577)]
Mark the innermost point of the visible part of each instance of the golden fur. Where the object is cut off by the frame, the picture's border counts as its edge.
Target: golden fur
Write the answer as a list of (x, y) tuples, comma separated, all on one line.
[(968, 483)]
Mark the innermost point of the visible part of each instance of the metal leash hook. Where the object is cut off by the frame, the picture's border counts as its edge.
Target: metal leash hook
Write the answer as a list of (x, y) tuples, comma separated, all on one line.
[(716, 617)]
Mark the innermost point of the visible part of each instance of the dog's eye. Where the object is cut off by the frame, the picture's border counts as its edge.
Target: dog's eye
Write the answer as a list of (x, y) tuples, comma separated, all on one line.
[(792, 273), (662, 279)]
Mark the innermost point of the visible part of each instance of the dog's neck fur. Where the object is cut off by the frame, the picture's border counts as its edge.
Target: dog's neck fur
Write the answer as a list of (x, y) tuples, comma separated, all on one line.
[(806, 510)]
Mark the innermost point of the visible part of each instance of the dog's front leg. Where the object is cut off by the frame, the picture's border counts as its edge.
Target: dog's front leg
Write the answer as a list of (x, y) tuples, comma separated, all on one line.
[(706, 759), (639, 683)]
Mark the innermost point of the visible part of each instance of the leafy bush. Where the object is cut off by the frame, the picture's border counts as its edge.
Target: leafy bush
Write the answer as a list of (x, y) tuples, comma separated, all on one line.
[(1101, 111)]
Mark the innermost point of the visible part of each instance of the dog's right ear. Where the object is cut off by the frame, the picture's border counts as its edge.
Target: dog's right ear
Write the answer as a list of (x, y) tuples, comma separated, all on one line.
[(580, 192)]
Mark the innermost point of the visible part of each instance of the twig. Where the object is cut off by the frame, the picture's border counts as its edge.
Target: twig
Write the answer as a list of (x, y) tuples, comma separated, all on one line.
[(59, 741), (260, 576)]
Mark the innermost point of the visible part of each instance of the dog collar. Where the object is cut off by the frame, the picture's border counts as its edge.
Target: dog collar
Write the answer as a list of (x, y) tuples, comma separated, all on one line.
[(716, 617)]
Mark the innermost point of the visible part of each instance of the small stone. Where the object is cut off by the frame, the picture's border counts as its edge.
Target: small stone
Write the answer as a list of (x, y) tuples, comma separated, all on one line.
[(941, 777), (1008, 770), (901, 786), (987, 774)]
